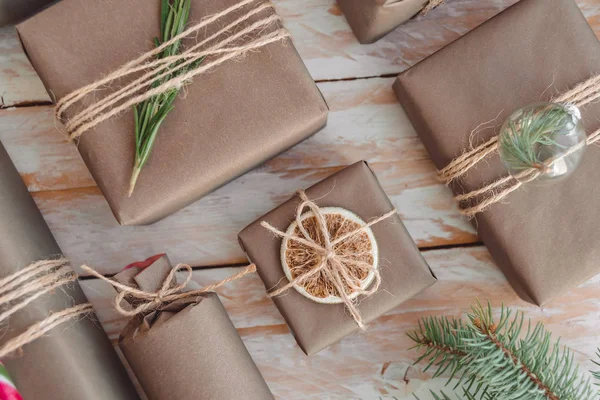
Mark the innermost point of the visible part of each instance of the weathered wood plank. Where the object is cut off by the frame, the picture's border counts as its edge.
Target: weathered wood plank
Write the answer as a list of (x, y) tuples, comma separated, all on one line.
[(205, 233), (19, 83), (376, 364), (365, 123), (323, 39)]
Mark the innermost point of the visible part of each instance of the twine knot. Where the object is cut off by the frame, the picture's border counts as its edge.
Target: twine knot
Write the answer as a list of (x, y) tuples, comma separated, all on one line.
[(132, 301), (330, 256)]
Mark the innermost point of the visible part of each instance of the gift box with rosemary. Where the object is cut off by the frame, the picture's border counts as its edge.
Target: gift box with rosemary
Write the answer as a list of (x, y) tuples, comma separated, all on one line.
[(508, 119), (182, 346), (52, 344), (372, 19), (168, 100), (335, 258)]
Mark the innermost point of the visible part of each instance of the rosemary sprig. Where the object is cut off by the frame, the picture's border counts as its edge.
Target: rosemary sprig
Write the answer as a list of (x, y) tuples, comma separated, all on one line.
[(150, 114), (521, 144)]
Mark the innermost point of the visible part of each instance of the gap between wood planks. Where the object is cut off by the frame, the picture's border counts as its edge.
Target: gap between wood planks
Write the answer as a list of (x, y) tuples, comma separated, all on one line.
[(34, 103), (423, 249)]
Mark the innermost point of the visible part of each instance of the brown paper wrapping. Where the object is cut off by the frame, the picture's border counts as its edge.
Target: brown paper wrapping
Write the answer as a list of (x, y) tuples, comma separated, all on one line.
[(232, 119), (74, 361), (189, 351), (12, 11), (403, 270), (372, 19), (543, 238)]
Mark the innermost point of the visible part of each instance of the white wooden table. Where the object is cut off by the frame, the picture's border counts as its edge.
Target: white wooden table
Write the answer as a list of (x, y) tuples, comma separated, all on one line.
[(365, 123)]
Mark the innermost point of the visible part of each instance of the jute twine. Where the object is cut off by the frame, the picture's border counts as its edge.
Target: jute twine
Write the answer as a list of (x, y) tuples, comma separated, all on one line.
[(28, 284), (329, 258), (167, 294), (431, 4), (300, 259), (231, 41), (482, 198)]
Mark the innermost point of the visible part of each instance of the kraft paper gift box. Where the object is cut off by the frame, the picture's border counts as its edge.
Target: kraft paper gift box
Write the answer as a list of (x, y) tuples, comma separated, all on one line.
[(75, 360), (189, 349), (372, 19), (544, 238), (230, 120), (404, 272)]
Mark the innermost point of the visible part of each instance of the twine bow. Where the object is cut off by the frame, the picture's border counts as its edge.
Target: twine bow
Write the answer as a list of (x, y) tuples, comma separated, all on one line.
[(332, 265), (167, 294), (581, 95)]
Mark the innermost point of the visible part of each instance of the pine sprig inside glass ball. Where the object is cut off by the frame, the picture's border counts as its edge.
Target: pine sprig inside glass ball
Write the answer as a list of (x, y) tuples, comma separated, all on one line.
[(525, 137), (547, 139)]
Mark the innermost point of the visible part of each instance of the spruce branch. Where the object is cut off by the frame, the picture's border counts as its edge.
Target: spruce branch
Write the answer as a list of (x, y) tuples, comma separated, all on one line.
[(442, 340), (151, 113), (505, 358)]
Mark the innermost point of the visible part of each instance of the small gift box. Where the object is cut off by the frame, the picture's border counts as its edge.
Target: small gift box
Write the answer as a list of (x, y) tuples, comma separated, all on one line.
[(335, 257), (251, 99), (543, 237), (372, 19), (72, 360), (187, 348)]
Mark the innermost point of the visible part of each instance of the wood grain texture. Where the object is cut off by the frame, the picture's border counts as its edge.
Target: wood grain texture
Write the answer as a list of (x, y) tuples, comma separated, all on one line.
[(365, 123), (323, 39), (377, 364)]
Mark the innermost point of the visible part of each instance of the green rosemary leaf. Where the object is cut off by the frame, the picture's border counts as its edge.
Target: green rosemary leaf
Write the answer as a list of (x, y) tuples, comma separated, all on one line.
[(187, 8), (150, 143), (136, 120), (149, 108), (169, 22), (164, 13)]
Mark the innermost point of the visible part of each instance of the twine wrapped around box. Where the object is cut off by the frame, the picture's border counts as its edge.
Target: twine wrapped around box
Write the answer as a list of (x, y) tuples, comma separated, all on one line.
[(330, 255), (482, 198), (228, 43)]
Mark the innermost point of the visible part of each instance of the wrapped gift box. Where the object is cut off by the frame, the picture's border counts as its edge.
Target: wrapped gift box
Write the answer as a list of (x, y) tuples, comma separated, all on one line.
[(372, 19), (404, 272), (542, 237), (233, 118), (75, 360), (189, 348)]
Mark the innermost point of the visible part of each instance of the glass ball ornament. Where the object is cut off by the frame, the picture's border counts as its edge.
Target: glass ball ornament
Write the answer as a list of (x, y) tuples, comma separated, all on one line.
[(547, 138)]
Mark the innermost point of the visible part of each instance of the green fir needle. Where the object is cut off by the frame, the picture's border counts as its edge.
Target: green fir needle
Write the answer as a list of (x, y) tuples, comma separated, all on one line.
[(150, 114)]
